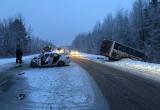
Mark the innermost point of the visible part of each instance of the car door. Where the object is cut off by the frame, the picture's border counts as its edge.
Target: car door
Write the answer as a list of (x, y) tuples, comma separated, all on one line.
[(43, 59), (55, 58)]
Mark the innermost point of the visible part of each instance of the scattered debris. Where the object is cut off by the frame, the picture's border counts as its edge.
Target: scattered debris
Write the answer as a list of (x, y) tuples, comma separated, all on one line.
[(3, 82), (21, 96), (21, 73), (100, 58)]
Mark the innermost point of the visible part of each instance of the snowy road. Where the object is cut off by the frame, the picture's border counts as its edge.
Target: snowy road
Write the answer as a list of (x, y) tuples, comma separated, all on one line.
[(56, 88), (123, 89), (102, 85)]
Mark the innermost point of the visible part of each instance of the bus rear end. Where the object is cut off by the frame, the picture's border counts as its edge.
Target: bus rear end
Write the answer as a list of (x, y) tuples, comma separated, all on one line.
[(106, 48)]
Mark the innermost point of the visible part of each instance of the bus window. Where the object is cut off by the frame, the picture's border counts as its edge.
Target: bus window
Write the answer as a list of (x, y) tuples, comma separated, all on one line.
[(127, 50), (121, 48)]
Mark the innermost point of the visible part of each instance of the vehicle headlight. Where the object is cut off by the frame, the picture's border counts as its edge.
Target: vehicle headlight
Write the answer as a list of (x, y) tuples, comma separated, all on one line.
[(72, 53), (76, 52)]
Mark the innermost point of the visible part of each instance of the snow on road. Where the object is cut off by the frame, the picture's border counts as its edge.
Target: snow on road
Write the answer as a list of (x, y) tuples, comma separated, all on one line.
[(12, 60), (149, 70), (93, 57), (7, 63), (65, 88), (6, 60), (57, 88)]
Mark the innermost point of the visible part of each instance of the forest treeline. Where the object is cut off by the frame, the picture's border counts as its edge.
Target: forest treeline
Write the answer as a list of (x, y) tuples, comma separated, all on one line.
[(14, 34), (139, 28)]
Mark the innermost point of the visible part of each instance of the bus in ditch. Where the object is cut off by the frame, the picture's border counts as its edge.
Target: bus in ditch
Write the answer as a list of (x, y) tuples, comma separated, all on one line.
[(116, 51)]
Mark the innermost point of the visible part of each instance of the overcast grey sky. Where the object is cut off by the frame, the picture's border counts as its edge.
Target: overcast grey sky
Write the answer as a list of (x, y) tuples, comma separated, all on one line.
[(61, 20)]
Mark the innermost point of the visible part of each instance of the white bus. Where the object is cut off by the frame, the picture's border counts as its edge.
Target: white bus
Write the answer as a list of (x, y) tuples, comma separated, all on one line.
[(116, 51)]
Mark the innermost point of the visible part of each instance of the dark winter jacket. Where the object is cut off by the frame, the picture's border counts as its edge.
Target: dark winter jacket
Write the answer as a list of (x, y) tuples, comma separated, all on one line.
[(19, 53)]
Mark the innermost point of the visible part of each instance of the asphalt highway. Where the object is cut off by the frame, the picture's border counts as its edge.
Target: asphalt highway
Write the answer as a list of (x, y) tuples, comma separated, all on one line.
[(123, 90)]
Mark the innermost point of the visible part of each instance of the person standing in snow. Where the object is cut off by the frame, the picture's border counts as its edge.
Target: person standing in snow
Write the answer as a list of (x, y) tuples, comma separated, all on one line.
[(19, 54)]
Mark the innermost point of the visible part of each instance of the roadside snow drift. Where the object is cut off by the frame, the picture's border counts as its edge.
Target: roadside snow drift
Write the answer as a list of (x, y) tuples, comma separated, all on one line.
[(149, 70), (7, 63), (97, 58), (12, 60)]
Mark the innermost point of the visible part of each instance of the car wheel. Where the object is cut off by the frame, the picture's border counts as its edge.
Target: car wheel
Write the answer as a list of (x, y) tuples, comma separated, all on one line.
[(33, 65), (61, 63)]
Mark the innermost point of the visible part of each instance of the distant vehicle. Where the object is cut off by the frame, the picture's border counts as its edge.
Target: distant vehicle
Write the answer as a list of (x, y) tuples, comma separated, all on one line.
[(62, 51), (74, 52), (56, 60), (116, 51)]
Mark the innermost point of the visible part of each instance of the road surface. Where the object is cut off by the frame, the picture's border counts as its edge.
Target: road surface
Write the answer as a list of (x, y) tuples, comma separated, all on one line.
[(51, 88), (123, 90)]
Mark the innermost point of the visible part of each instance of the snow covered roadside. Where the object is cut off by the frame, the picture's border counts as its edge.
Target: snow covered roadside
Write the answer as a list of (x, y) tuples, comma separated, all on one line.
[(97, 58), (7, 63), (149, 70), (12, 60), (66, 88)]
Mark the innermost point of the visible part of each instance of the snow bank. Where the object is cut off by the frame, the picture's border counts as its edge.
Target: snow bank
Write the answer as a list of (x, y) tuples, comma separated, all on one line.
[(7, 63), (144, 66), (149, 70), (97, 58), (12, 60), (7, 60)]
